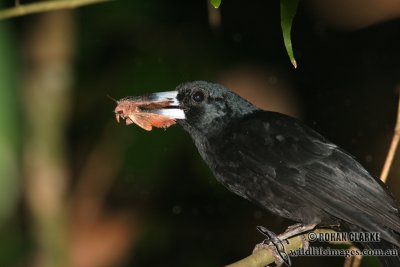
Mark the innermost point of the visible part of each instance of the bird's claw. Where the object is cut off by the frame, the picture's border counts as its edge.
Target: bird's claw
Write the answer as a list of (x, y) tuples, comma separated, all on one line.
[(275, 244)]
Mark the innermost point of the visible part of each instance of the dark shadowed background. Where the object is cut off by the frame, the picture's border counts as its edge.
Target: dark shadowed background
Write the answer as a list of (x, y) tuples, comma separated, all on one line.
[(77, 189)]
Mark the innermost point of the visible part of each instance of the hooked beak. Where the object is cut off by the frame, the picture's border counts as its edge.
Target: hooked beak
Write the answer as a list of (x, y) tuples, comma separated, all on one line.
[(170, 106)]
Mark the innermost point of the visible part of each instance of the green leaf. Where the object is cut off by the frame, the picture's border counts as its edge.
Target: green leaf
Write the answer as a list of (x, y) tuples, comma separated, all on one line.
[(288, 11), (215, 3)]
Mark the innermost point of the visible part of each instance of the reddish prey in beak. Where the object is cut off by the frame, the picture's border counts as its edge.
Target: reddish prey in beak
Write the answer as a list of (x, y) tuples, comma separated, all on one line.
[(160, 110)]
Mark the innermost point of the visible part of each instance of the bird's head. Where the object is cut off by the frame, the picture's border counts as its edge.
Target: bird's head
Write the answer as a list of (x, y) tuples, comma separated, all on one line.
[(206, 107), (202, 108)]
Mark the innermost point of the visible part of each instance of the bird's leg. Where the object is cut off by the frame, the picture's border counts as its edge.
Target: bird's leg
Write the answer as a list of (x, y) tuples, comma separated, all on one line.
[(275, 245)]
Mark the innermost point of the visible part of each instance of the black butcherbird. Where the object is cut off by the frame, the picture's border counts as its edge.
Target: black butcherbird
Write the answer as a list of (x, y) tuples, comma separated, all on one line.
[(281, 164)]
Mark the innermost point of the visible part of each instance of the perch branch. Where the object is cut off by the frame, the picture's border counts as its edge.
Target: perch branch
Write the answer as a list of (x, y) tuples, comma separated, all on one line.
[(21, 10)]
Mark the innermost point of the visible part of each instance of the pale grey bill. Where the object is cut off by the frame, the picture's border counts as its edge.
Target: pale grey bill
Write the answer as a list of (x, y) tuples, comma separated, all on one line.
[(175, 113)]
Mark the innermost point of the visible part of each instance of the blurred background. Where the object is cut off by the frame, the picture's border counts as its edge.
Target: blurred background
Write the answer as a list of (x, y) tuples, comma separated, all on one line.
[(77, 189)]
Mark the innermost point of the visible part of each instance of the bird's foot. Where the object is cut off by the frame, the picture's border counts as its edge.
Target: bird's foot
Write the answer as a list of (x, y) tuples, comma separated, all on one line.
[(275, 245)]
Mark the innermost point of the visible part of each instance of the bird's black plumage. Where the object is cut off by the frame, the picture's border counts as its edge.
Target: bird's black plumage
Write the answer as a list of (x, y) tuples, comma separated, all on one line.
[(286, 167)]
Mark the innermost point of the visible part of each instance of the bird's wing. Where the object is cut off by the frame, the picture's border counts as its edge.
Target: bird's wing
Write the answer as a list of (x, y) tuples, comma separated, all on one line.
[(297, 160)]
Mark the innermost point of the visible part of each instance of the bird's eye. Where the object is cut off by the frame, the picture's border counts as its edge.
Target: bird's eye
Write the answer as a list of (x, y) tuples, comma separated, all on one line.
[(198, 96)]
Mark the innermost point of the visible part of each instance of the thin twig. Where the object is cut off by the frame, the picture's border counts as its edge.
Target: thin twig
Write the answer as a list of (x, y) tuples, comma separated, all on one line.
[(21, 10), (393, 148)]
